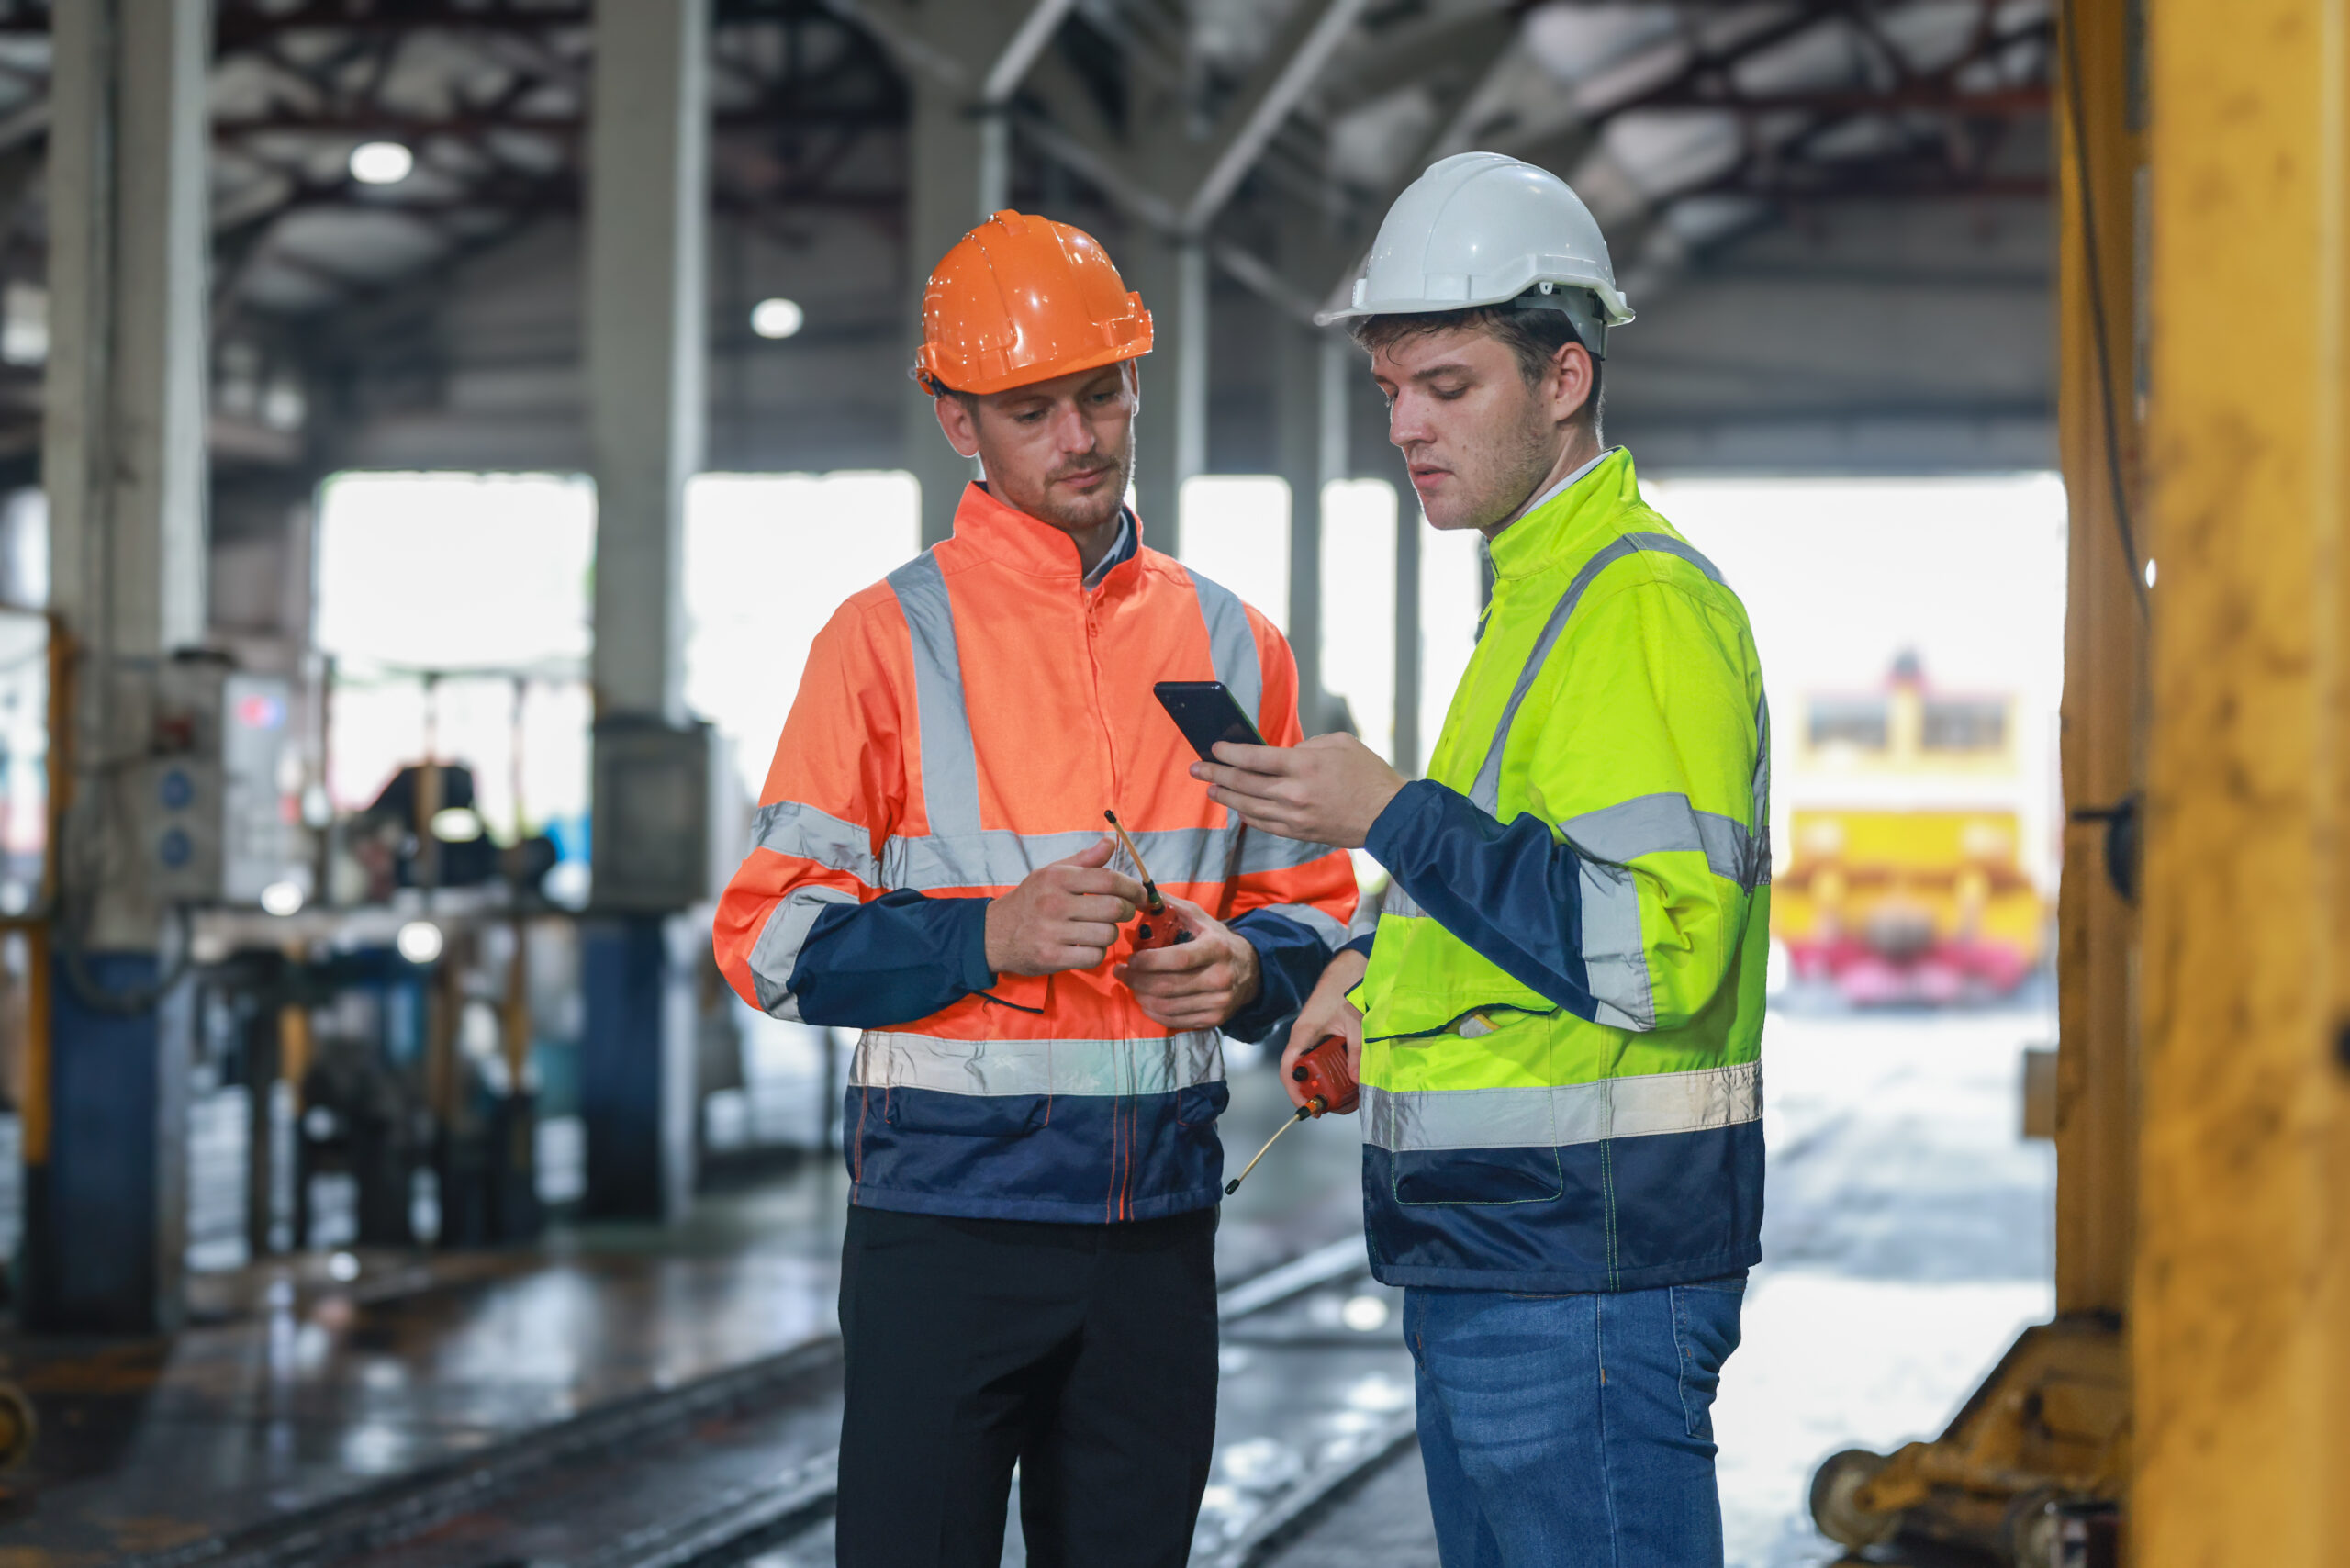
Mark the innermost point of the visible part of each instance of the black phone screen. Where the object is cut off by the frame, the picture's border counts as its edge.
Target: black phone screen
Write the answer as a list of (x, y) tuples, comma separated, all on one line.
[(1206, 712)]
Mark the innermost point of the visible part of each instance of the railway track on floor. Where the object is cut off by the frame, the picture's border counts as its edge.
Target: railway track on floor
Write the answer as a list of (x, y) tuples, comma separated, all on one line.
[(738, 1468)]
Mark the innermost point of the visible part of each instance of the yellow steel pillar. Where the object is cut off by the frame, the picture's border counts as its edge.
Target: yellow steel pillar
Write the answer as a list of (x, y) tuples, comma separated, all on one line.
[(2051, 1424), (2100, 155), (2240, 1318)]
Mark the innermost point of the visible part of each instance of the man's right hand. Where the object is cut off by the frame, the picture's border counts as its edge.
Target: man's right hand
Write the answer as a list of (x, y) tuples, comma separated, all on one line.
[(1063, 916), (1327, 1011)]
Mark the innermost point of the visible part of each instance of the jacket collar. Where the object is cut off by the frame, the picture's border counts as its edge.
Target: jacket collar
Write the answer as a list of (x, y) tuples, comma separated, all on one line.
[(1566, 517), (999, 531)]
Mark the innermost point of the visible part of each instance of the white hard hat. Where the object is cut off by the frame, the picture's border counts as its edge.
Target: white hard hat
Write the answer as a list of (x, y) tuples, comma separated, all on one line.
[(1482, 229)]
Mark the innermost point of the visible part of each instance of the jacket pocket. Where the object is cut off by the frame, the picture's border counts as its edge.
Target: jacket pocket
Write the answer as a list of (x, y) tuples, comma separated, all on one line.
[(1197, 1107), (1478, 1176), (966, 1116)]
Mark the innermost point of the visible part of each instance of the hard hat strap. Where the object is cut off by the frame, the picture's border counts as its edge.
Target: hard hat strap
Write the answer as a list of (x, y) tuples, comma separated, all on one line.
[(1580, 306)]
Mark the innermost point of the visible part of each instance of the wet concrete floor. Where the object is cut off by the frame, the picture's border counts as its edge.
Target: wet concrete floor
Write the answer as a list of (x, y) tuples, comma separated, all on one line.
[(327, 1387), (1908, 1239)]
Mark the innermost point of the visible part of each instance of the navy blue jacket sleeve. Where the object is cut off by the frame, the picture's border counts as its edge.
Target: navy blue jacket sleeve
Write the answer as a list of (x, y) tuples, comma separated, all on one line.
[(1512, 894), (1289, 959), (906, 955), (899, 958)]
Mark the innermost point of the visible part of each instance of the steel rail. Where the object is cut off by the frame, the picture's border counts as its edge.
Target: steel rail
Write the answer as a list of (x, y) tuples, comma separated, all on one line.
[(377, 1516), (382, 1515)]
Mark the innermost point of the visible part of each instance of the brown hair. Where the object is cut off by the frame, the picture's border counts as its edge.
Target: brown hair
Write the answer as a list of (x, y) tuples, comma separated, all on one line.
[(1533, 337)]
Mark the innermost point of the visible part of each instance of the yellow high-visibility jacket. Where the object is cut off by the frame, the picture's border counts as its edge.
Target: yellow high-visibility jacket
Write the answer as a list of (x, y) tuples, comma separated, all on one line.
[(1564, 1009)]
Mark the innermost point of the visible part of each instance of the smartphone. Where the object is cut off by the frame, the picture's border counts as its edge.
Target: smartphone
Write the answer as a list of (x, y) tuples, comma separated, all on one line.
[(1206, 712)]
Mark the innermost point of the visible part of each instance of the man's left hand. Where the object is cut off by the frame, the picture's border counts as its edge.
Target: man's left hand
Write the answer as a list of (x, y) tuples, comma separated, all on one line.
[(1326, 790), (1196, 984)]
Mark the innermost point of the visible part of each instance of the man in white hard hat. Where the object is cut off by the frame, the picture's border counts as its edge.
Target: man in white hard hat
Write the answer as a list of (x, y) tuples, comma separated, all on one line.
[(1559, 1014)]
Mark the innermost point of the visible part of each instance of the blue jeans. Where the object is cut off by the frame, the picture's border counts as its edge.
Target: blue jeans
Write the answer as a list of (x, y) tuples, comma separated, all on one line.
[(1573, 1429)]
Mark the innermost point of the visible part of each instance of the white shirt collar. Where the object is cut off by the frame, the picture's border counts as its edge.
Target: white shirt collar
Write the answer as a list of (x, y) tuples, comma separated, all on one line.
[(1563, 486), (1121, 549)]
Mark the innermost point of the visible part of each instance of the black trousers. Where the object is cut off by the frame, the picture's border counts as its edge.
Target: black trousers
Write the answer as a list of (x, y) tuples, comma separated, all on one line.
[(1086, 1352)]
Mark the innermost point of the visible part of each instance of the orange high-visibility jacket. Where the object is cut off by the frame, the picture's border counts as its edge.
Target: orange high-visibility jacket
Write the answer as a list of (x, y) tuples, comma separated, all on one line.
[(958, 726)]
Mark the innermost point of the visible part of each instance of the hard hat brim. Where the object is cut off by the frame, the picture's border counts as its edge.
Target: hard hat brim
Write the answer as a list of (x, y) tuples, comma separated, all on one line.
[(1611, 299), (1029, 376)]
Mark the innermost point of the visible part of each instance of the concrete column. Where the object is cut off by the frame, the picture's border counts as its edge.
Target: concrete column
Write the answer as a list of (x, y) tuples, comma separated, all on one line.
[(1311, 437), (123, 457), (947, 154), (648, 206), (1408, 524), (1172, 436)]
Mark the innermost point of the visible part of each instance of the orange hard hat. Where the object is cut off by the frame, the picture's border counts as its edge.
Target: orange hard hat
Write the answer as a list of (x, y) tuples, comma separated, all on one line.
[(1021, 299)]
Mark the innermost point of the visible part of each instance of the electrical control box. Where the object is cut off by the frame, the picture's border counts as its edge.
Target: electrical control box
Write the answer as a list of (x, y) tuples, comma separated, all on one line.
[(221, 785), (657, 805)]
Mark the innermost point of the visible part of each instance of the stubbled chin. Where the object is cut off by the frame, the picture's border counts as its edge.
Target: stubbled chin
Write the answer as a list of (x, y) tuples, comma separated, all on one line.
[(1080, 512)]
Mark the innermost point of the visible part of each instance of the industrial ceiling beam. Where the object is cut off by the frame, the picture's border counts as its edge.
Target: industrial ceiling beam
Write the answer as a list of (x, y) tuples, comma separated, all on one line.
[(1020, 52), (1295, 62)]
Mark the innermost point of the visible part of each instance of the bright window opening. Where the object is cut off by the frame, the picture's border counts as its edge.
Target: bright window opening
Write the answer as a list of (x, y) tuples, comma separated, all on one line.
[(457, 608), (769, 558), (1235, 530), (1358, 604), (1452, 595)]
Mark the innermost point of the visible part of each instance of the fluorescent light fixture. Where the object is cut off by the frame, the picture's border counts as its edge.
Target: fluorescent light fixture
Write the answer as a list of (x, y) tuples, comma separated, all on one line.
[(778, 317), (418, 941), (381, 163)]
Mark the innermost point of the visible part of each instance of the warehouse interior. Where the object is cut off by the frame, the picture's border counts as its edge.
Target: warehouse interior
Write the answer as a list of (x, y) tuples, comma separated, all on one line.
[(431, 432)]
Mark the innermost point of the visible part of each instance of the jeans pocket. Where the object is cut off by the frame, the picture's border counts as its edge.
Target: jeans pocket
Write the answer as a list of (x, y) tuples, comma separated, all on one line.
[(1705, 1332)]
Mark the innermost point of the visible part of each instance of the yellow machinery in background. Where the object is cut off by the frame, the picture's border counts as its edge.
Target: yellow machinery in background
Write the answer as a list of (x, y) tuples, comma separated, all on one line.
[(2198, 1373), (1907, 906), (1907, 876), (2044, 1448)]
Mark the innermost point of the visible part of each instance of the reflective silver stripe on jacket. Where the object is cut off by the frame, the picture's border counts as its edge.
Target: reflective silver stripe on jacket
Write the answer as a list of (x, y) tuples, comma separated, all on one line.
[(1233, 646), (788, 827), (950, 764), (1487, 793), (1654, 825), (1000, 857), (1332, 930), (1401, 904), (1614, 961), (776, 952), (887, 1060), (1422, 1120)]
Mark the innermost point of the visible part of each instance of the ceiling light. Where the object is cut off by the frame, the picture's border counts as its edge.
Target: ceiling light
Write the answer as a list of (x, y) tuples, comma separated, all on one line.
[(418, 941), (381, 163), (778, 317)]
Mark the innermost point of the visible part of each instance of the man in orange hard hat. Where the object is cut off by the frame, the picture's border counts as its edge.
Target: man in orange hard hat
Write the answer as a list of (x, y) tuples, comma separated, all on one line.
[(1030, 1126)]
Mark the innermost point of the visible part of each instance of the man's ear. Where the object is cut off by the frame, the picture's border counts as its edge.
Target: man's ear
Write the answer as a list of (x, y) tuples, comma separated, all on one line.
[(1570, 380), (961, 428)]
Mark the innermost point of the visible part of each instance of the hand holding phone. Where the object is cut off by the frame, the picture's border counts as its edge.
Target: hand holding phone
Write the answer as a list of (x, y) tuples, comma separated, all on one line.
[(1207, 712)]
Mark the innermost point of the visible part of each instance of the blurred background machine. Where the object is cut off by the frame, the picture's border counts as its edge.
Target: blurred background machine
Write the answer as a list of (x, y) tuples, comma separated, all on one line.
[(1907, 876)]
